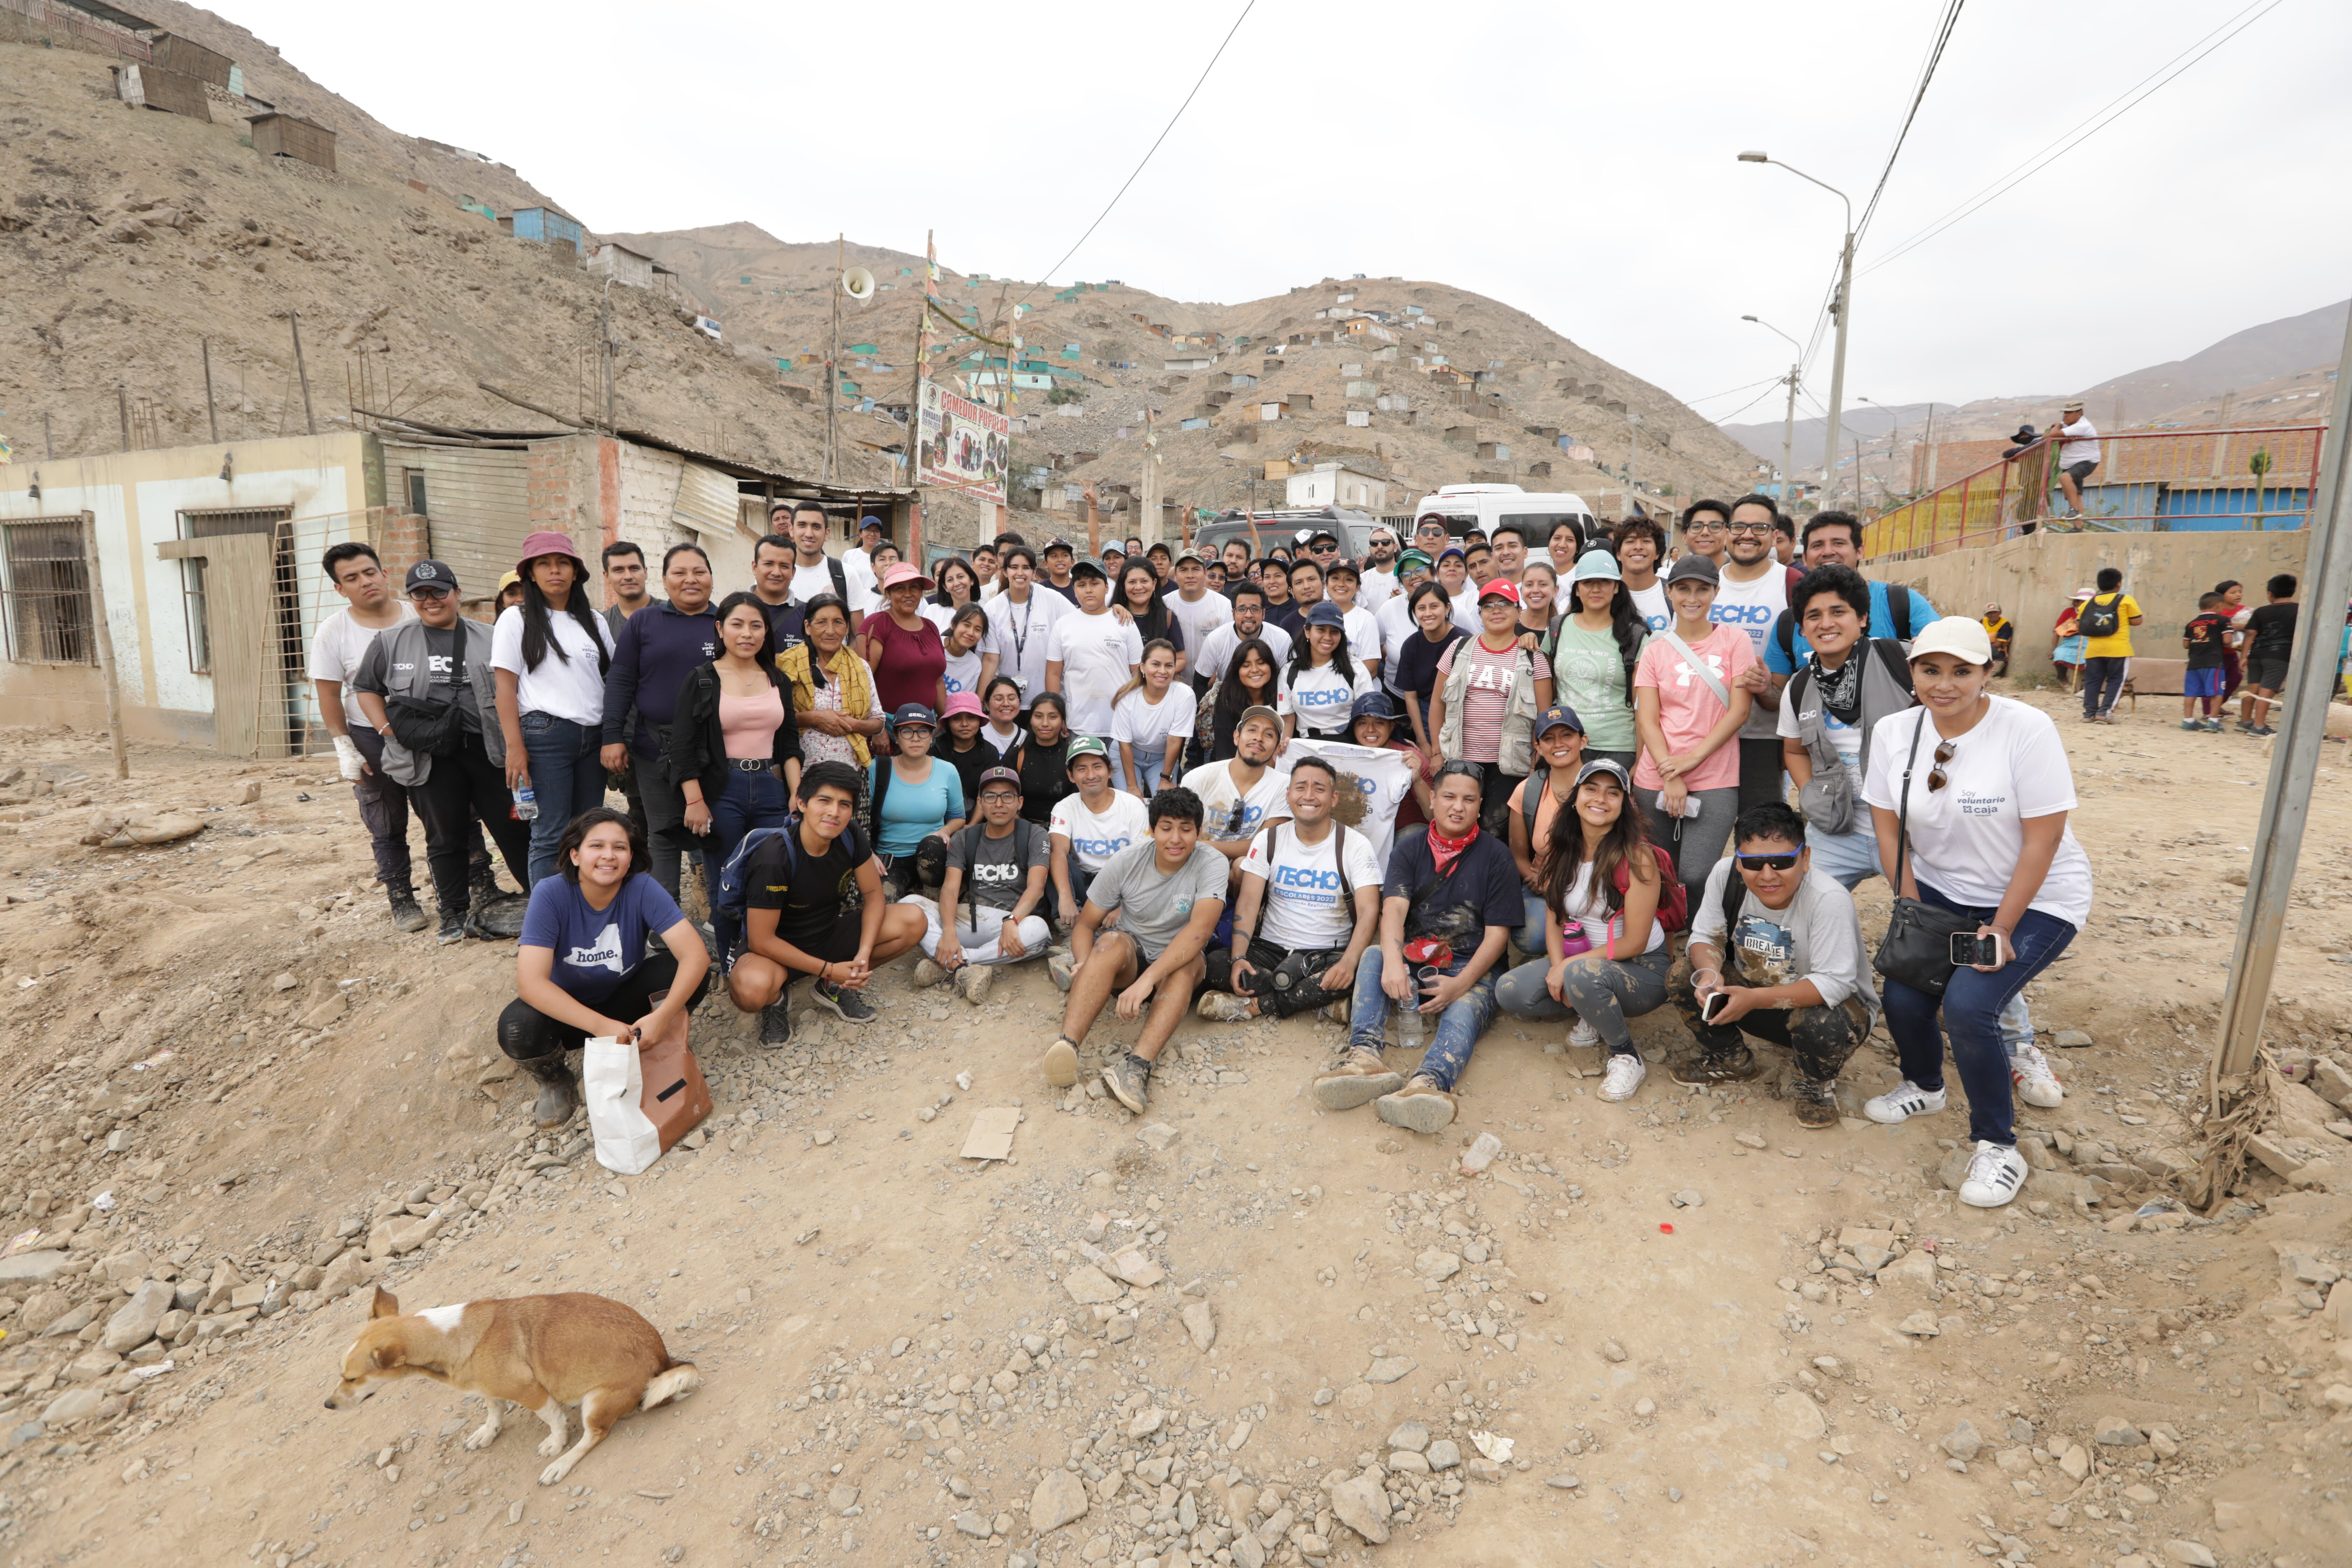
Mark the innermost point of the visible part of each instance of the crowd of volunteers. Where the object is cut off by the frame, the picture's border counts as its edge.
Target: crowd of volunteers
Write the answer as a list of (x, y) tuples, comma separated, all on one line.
[(1574, 778)]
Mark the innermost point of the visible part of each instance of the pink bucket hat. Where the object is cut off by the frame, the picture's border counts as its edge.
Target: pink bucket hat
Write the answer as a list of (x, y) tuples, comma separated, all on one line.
[(548, 541)]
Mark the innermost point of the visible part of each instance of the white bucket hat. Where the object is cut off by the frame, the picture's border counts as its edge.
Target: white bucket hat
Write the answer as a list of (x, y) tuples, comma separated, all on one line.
[(1959, 636)]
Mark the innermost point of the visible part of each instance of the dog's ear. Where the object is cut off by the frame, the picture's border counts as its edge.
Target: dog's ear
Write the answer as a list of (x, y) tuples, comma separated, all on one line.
[(390, 1355), (387, 1305)]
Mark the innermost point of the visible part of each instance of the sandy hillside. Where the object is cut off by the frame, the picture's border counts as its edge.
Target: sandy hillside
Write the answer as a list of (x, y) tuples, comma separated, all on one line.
[(900, 1346)]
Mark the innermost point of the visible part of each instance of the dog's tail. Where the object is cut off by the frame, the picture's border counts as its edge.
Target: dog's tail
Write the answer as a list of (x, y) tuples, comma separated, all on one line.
[(679, 1380)]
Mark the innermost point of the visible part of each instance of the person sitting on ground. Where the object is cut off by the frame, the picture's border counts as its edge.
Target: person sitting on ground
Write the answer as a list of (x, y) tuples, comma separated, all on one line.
[(1973, 821), (918, 805), (797, 918), (1242, 795), (1535, 802), (1168, 892), (1310, 901), (2002, 631), (996, 881), (1778, 942), (1448, 904), (585, 968), (1090, 827), (965, 749)]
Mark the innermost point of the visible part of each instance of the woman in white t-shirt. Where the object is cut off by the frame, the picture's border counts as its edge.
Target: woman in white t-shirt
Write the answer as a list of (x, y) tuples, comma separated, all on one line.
[(1152, 713), (958, 586), (966, 668), (1325, 679), (1988, 788), (549, 656)]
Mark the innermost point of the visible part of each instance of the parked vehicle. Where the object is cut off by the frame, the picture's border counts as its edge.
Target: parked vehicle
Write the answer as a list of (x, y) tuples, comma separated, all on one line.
[(1291, 529), (1488, 507)]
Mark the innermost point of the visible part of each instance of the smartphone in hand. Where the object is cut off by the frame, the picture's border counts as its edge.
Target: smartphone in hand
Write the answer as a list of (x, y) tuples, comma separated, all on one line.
[(1968, 949)]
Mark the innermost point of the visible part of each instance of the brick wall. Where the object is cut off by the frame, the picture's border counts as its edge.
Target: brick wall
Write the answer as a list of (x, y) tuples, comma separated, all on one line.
[(547, 469), (401, 538)]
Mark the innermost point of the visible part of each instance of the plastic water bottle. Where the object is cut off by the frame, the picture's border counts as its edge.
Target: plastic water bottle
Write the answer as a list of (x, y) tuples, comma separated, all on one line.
[(1410, 1033), (526, 804)]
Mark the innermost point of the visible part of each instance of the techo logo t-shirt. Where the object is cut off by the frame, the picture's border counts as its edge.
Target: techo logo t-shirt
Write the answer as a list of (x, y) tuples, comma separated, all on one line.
[(1302, 908)]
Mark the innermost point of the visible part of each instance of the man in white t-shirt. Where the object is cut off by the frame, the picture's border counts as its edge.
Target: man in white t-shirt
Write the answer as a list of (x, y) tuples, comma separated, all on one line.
[(2078, 454), (1087, 830), (1241, 796), (1194, 608), (1021, 618), (342, 640), (1090, 654), (813, 572), (1249, 621), (1309, 906), (1379, 581), (1753, 593)]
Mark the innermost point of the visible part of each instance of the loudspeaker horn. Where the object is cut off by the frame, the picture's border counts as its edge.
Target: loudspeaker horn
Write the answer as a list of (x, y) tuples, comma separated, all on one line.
[(858, 283)]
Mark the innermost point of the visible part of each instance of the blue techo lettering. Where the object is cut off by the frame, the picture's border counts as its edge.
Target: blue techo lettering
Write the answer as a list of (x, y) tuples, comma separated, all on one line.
[(1743, 614), (1104, 846), (1306, 877)]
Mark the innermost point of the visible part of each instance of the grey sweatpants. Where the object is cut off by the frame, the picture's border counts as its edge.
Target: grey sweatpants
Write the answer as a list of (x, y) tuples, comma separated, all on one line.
[(1695, 842), (1603, 992)]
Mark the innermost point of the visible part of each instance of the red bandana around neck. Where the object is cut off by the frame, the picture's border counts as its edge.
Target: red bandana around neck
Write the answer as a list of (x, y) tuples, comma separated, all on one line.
[(1443, 850)]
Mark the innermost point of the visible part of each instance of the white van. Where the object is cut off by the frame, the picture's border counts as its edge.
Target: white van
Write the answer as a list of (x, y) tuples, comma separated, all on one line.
[(1488, 507)]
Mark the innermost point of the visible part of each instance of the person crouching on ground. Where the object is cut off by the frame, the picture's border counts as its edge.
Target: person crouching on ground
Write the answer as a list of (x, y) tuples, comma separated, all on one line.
[(1310, 903), (1168, 892), (1448, 905), (585, 967), (796, 920), (1777, 940), (996, 872)]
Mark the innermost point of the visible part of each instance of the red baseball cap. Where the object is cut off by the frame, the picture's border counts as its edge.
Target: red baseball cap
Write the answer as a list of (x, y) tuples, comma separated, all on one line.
[(1501, 587)]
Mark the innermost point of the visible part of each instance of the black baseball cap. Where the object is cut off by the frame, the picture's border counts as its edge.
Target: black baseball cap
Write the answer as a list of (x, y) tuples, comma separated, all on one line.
[(431, 574)]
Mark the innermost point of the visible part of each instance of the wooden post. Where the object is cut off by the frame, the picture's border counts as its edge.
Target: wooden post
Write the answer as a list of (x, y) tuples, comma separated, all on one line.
[(122, 412), (212, 413), (833, 358), (105, 640), (308, 416), (1094, 525)]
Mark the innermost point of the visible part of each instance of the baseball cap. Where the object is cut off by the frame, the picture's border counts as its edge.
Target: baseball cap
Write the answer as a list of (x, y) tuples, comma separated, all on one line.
[(1088, 746), (511, 578), (1553, 717), (1342, 564), (1412, 561), (1087, 566), (869, 520), (1189, 554), (1054, 544), (962, 702), (431, 574), (1500, 588), (1374, 704), (1615, 770), (1326, 614), (1596, 565), (1452, 550), (1320, 535), (1259, 710), (1961, 636), (1000, 775), (1697, 567), (913, 713)]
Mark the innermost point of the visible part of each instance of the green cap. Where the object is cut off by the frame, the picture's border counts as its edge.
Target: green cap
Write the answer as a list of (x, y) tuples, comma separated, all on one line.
[(1084, 746)]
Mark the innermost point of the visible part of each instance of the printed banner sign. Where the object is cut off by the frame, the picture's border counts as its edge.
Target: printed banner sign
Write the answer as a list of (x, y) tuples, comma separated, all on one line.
[(961, 446)]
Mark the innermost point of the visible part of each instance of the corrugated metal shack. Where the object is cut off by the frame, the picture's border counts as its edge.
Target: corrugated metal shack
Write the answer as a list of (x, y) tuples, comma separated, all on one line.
[(284, 136), (546, 226)]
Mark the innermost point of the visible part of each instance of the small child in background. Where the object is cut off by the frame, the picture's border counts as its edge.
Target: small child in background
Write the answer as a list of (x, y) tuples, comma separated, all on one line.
[(2206, 639)]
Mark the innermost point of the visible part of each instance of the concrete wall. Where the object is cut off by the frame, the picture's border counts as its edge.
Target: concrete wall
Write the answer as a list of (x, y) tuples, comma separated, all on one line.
[(2031, 578)]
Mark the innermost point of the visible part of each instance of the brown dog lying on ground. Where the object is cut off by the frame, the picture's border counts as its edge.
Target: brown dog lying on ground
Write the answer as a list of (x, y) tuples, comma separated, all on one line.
[(540, 1352)]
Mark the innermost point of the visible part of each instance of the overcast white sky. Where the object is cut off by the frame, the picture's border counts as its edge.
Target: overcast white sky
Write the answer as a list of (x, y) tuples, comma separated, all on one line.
[(1573, 160)]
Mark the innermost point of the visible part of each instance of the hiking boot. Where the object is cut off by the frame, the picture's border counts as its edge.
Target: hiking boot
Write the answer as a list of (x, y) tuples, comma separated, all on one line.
[(1223, 1008), (1736, 1065), (406, 913), (1995, 1174), (453, 927), (1624, 1076), (1418, 1107), (1904, 1102), (1062, 967), (972, 981), (558, 1093), (2031, 1076), (1341, 1011), (1816, 1102), (775, 1025), (1128, 1078), (850, 1007), (1060, 1063), (928, 974), (1357, 1077)]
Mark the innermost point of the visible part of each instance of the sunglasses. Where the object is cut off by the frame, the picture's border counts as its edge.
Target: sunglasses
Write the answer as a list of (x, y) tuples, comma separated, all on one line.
[(1767, 862), (1935, 778)]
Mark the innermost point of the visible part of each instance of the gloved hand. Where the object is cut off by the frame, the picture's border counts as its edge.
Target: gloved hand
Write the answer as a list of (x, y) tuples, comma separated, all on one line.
[(348, 760)]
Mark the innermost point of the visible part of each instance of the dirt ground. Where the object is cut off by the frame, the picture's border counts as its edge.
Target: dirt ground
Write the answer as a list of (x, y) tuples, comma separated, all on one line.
[(1709, 1336)]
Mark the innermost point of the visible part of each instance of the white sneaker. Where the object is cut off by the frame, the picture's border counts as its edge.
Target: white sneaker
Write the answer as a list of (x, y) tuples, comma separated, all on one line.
[(1904, 1102), (1583, 1034), (2035, 1083), (1995, 1173), (1624, 1076)]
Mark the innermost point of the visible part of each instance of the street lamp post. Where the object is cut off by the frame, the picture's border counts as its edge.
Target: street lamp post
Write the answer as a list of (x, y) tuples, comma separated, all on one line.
[(1843, 310), (1788, 424)]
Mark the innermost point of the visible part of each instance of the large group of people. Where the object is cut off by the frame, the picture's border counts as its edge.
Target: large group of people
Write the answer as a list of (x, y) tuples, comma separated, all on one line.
[(1462, 776)]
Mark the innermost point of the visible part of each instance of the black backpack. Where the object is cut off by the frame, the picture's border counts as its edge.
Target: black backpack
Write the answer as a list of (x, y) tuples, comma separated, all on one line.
[(2102, 617), (1898, 608), (1021, 830)]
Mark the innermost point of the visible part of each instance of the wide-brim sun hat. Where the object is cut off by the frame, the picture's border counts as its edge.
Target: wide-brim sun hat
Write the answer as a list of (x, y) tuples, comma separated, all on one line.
[(547, 541), (904, 573), (1962, 637)]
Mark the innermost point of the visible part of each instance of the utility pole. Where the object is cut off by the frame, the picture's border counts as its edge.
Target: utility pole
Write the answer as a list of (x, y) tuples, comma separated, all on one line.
[(303, 371), (833, 358), (122, 412), (212, 414), (1147, 502), (1632, 451), (1788, 442), (2294, 762), (1842, 309)]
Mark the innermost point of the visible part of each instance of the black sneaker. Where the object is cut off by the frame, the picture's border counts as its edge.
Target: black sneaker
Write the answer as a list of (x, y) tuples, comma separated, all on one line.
[(1128, 1079), (1815, 1100), (452, 926), (407, 914), (775, 1025), (850, 1005), (1736, 1065)]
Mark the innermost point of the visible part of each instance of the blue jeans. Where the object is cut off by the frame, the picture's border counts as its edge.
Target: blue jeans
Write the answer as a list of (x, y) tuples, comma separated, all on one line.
[(1850, 858), (1152, 763), (1971, 1008), (752, 800), (1458, 1028), (565, 774)]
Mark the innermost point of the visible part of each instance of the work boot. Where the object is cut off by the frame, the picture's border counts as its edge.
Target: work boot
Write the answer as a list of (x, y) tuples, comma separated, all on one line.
[(1357, 1077), (973, 980), (1418, 1107), (1128, 1079), (559, 1094), (927, 972), (483, 887), (407, 914), (1736, 1065), (1815, 1101)]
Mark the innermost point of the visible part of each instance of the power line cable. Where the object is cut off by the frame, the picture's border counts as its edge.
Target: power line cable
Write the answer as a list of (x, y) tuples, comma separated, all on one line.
[(1918, 96)]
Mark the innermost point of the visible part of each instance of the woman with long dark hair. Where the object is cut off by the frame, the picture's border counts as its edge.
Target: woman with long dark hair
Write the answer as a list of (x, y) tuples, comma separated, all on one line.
[(652, 654), (1042, 758), (1324, 679), (1254, 679), (549, 656), (1594, 649), (734, 747), (1140, 596), (1415, 674), (958, 586)]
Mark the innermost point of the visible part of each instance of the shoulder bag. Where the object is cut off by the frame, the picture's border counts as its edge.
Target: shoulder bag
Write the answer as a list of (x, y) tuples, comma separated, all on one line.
[(1917, 947), (1699, 667)]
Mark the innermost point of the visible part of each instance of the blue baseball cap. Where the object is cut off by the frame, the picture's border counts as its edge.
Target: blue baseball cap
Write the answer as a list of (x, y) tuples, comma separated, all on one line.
[(1374, 704), (913, 713), (1326, 614), (1554, 717)]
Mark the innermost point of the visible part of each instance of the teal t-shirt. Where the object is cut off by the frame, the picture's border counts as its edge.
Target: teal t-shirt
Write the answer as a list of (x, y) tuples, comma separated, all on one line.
[(912, 812), (1589, 675)]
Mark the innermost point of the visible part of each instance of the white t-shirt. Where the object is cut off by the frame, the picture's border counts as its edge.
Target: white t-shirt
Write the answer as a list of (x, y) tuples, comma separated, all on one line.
[(808, 582), (1094, 839), (1005, 742), (1363, 630), (963, 673), (1216, 655), (341, 642), (1017, 636), (1395, 621), (1967, 838), (1138, 721), (1302, 908), (1098, 654), (1465, 609), (1652, 602), (1322, 699), (1753, 608), (1593, 914), (1199, 619), (1264, 801), (1375, 589), (1845, 737), (2080, 446), (1383, 778), (570, 687)]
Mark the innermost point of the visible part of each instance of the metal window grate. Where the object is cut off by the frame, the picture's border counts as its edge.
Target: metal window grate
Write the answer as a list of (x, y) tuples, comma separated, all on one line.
[(47, 591)]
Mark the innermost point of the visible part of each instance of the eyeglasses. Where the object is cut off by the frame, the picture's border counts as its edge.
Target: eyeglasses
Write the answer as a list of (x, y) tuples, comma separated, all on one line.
[(1759, 529), (1935, 778), (1704, 526), (1766, 862), (421, 593)]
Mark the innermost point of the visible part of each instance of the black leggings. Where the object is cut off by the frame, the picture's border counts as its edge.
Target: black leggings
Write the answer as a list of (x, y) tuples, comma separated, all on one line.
[(464, 786), (526, 1034), (1302, 995)]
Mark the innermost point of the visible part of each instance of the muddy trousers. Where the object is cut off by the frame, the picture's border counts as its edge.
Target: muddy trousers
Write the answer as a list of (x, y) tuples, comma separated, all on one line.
[(1820, 1038), (1284, 980), (1602, 991), (539, 1042), (383, 811)]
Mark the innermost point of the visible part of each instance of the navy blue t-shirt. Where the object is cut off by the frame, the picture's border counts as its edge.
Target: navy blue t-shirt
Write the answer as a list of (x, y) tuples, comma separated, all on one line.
[(595, 949), (1483, 877)]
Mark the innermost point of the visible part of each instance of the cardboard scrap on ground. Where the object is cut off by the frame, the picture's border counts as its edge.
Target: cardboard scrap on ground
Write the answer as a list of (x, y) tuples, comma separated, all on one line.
[(992, 1133)]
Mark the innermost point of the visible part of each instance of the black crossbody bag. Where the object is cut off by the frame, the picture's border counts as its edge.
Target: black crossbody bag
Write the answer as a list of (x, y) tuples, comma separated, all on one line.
[(1917, 947)]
